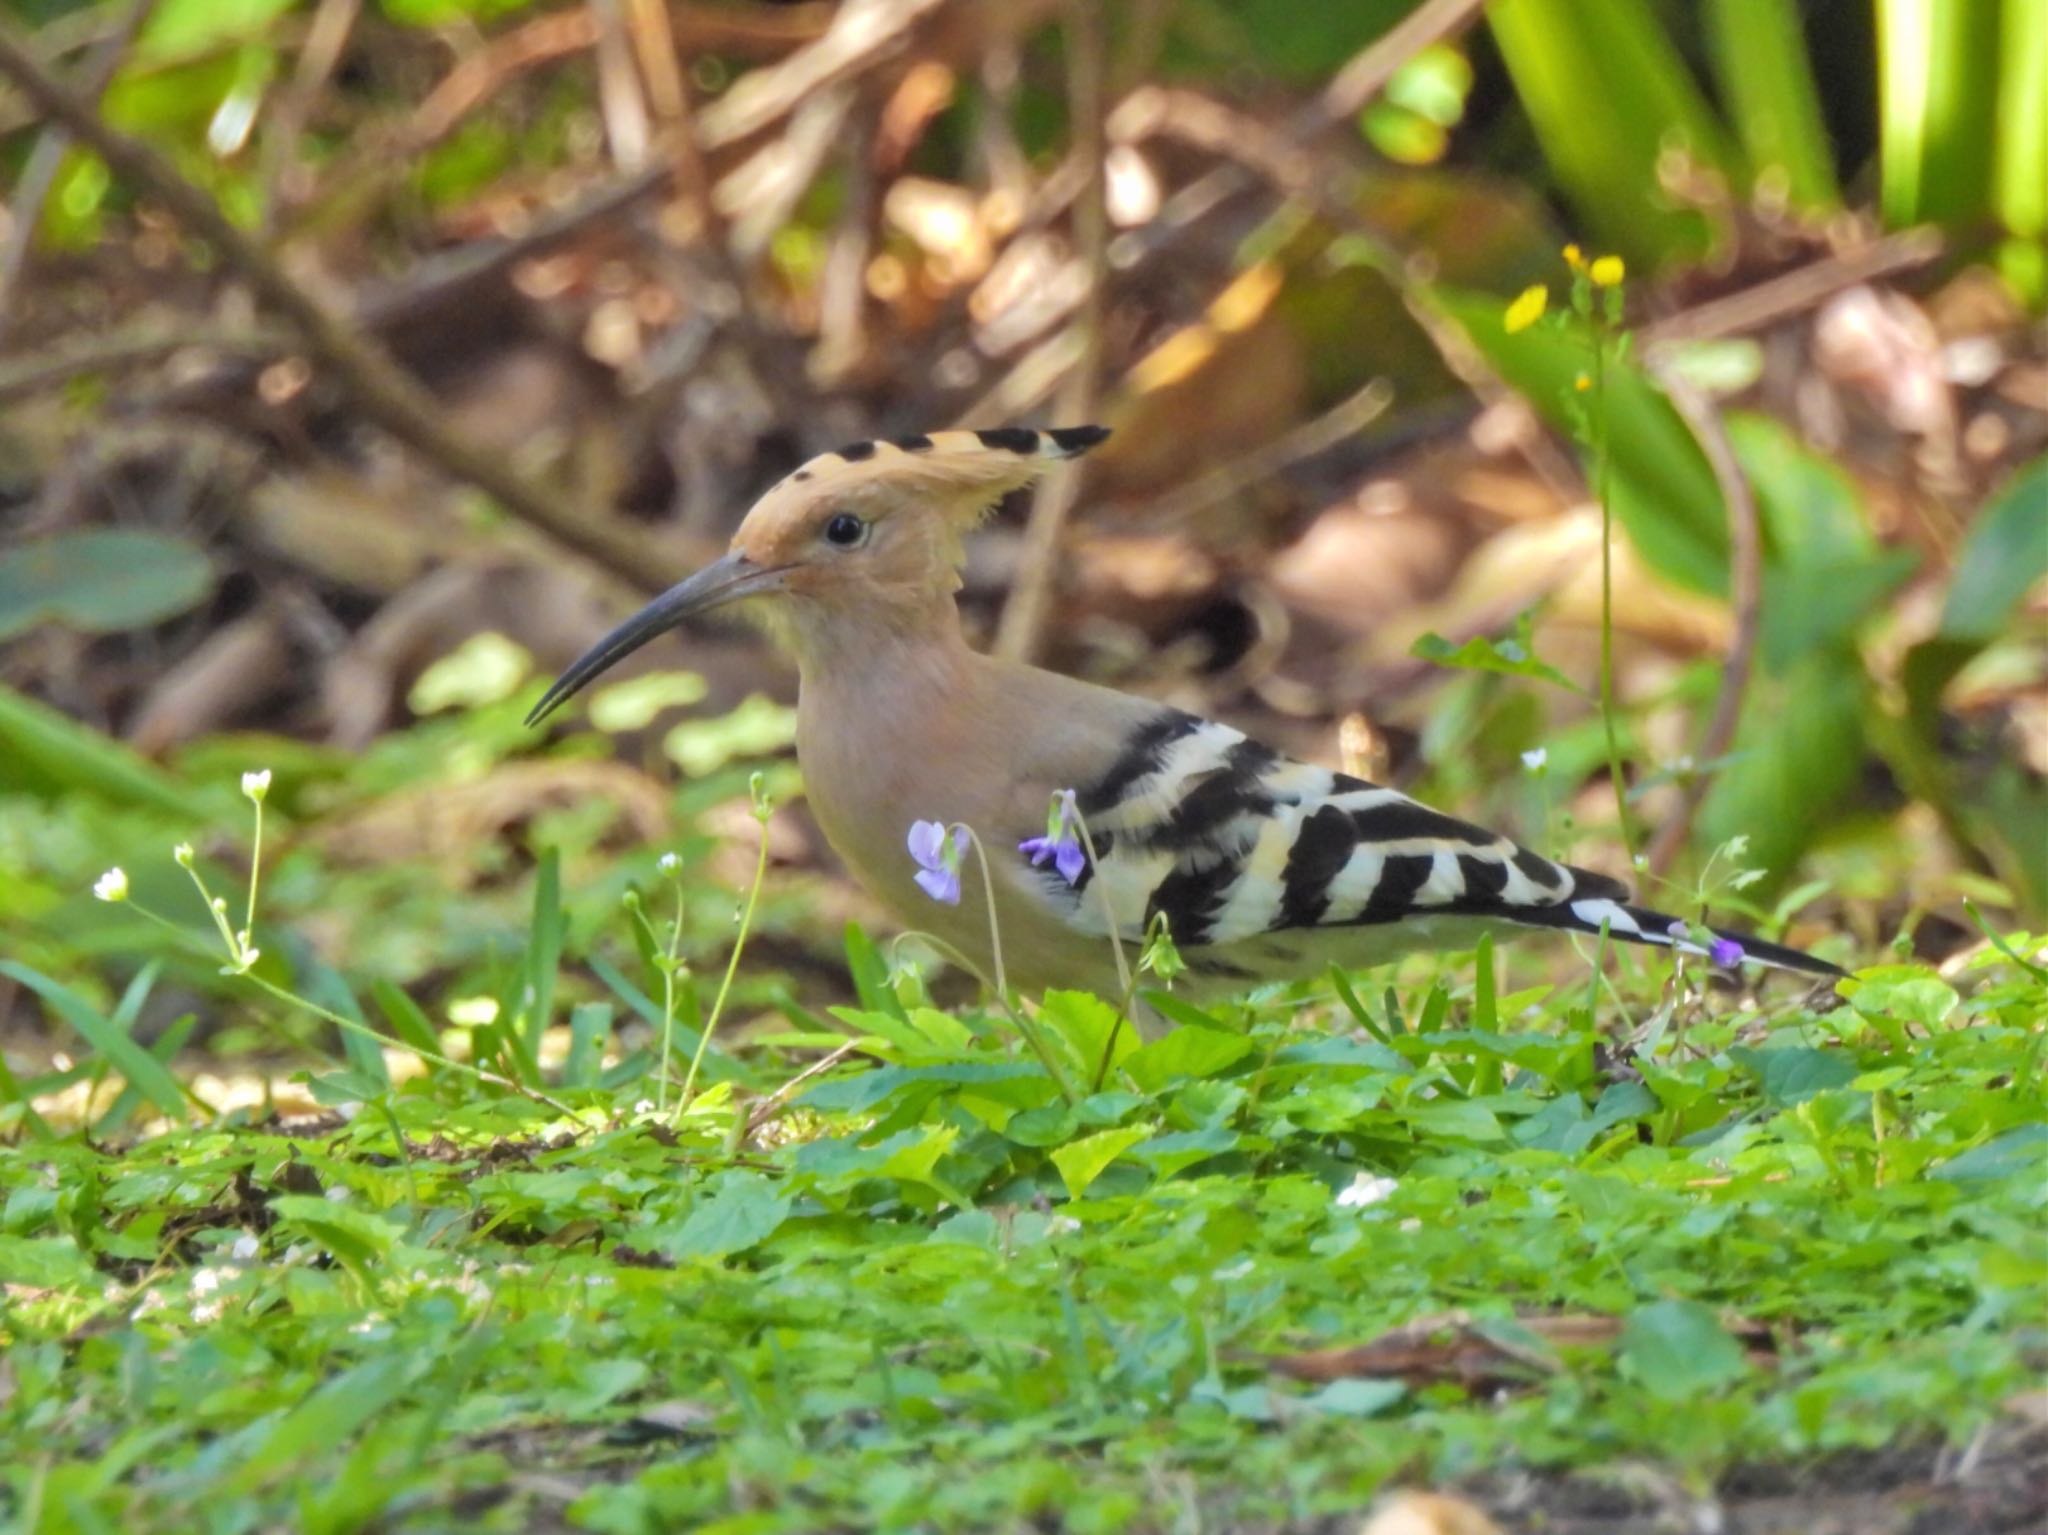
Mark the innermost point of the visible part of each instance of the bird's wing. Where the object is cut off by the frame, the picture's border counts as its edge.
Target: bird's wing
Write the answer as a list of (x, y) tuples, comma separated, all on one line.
[(1235, 844)]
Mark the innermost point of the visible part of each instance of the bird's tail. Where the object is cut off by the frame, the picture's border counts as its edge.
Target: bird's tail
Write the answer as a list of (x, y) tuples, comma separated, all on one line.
[(1639, 924)]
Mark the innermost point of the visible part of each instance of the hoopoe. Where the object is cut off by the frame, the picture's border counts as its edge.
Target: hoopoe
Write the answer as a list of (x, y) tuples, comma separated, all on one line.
[(1262, 867)]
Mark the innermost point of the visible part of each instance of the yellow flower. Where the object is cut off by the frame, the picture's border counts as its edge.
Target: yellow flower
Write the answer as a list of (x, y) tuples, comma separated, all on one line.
[(1582, 383), (1574, 258), (1527, 310), (1607, 272)]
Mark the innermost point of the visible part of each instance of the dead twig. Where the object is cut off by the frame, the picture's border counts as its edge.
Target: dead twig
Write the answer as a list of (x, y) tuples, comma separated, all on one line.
[(1023, 621), (25, 208), (383, 392), (1310, 439), (125, 349), (770, 1106), (333, 23), (1745, 581), (1794, 292)]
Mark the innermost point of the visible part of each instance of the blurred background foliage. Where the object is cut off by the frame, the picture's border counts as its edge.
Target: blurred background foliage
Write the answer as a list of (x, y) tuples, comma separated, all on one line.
[(645, 256)]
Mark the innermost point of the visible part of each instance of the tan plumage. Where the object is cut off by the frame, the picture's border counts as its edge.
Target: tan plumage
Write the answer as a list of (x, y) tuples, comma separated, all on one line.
[(1262, 867)]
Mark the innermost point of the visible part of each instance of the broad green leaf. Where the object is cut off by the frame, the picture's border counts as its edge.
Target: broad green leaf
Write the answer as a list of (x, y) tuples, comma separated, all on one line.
[(637, 702), (1677, 1350), (1186, 1052), (1825, 573), (100, 580), (1088, 1024), (328, 1417), (1794, 1073), (357, 1237), (486, 668), (1908, 993), (45, 1263), (2005, 555), (2024, 1150), (1081, 1162), (742, 1210)]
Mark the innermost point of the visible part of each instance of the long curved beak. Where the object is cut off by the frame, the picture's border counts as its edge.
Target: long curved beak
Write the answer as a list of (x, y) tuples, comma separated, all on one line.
[(720, 582)]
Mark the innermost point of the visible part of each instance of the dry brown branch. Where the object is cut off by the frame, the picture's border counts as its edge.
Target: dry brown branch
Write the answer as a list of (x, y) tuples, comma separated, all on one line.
[(382, 391), (1745, 564), (48, 368), (25, 208), (1023, 621), (1798, 290), (862, 33), (1315, 436)]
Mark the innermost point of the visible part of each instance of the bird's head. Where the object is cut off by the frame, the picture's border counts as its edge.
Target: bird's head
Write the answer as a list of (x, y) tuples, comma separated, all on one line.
[(871, 531)]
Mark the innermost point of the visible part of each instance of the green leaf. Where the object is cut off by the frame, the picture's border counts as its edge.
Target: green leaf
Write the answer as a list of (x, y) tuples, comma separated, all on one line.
[(1664, 493), (2005, 554), (1087, 1024), (1609, 95), (357, 1237), (1186, 1052), (44, 752), (1825, 573), (1677, 1350), (143, 1070), (1356, 1398), (46, 1263), (1081, 1162), (100, 580), (1795, 1073), (1512, 658), (2017, 1152), (326, 1418), (1758, 48), (743, 1210)]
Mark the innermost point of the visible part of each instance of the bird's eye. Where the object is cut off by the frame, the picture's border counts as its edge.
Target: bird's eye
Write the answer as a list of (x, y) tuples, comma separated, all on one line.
[(846, 531)]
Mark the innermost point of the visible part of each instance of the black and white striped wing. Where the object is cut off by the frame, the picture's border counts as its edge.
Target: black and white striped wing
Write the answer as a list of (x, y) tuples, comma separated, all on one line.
[(1240, 848)]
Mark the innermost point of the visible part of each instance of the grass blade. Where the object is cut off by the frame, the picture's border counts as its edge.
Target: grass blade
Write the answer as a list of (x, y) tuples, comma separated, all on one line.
[(136, 1064), (1608, 94), (1760, 62)]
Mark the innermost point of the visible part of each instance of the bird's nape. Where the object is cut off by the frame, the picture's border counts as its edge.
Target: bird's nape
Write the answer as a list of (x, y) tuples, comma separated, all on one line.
[(722, 581)]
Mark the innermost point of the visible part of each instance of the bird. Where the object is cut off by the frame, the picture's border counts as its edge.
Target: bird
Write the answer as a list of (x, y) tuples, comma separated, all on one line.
[(1038, 823)]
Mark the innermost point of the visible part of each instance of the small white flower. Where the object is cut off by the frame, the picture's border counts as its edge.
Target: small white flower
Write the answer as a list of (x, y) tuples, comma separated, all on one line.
[(256, 784), (209, 1311), (1536, 759), (112, 885), (246, 1247), (1366, 1189), (205, 1282), (1062, 1225), (643, 1106), (338, 1194), (183, 853), (669, 864)]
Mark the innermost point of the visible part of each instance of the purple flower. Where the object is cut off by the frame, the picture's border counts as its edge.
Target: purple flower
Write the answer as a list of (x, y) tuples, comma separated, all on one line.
[(1725, 951), (1062, 840), (938, 859)]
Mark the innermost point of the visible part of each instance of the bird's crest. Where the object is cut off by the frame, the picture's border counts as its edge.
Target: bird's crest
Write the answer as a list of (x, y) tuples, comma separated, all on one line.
[(966, 472)]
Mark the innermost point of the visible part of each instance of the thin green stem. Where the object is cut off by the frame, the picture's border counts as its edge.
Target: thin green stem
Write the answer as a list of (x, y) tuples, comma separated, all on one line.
[(1603, 490), (352, 1026), (732, 965), (668, 1003), (995, 940), (255, 869)]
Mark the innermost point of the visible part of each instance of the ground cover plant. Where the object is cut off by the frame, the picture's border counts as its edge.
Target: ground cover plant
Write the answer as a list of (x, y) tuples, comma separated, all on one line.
[(1621, 424)]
